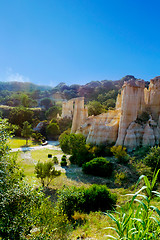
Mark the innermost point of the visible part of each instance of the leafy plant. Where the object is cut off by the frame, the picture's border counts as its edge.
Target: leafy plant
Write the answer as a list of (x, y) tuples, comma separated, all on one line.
[(26, 131), (153, 159), (94, 198), (64, 161), (120, 153), (46, 172), (55, 160), (121, 178), (98, 167), (142, 220), (75, 144)]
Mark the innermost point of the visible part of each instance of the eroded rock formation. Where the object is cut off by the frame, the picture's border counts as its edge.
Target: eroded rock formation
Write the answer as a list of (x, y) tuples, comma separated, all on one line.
[(134, 122)]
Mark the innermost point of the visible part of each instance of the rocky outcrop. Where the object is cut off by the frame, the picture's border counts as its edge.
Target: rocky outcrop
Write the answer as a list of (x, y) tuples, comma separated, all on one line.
[(75, 109), (132, 104), (134, 122), (79, 115)]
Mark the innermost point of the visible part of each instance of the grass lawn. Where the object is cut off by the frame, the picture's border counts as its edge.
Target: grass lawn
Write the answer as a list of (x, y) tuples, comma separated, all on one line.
[(42, 155), (20, 142)]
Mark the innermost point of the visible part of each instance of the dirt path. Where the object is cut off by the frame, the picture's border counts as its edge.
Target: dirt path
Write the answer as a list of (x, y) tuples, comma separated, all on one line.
[(51, 145)]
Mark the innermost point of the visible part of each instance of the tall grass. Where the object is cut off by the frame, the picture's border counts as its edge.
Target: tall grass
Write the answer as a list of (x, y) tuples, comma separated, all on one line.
[(142, 220)]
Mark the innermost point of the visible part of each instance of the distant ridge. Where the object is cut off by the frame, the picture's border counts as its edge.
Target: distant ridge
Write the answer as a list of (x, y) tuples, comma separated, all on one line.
[(22, 86)]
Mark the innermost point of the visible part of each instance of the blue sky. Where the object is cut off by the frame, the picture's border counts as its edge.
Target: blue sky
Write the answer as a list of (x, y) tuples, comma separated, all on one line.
[(77, 41)]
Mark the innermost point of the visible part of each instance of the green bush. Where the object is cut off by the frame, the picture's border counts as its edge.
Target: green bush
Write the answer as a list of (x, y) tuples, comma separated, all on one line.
[(120, 153), (94, 198), (98, 167), (55, 160), (141, 152), (121, 178), (64, 161), (153, 159), (75, 144)]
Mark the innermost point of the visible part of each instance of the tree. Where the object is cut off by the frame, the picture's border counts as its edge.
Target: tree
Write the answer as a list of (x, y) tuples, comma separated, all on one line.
[(46, 172), (37, 136), (18, 116), (53, 130), (26, 131), (95, 108), (25, 100), (46, 102), (52, 112), (17, 198), (75, 144), (23, 207)]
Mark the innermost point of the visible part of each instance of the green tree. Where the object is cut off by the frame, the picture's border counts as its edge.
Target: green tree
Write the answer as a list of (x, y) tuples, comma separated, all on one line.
[(18, 116), (95, 108), (16, 197), (26, 131), (46, 103), (53, 130), (37, 136), (23, 207), (46, 172), (25, 100), (75, 144), (52, 112)]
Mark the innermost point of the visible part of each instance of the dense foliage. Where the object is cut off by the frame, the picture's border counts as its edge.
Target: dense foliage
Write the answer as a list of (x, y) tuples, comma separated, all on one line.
[(98, 167), (75, 144), (26, 131), (94, 198), (24, 209), (64, 161), (153, 159), (52, 131)]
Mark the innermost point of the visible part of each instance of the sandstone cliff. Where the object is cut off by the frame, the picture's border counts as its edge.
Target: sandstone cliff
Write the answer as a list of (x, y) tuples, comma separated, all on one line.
[(134, 122)]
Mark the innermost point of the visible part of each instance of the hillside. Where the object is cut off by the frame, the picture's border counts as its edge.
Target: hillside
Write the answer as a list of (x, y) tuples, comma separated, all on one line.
[(92, 89), (22, 86)]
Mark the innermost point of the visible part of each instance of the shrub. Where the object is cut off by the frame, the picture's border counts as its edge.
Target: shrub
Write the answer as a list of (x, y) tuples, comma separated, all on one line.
[(120, 153), (98, 197), (141, 152), (98, 167), (55, 160), (153, 159), (94, 198), (64, 161), (121, 178)]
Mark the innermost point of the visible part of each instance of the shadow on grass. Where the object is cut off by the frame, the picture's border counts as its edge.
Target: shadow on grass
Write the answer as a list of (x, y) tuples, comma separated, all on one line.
[(75, 173)]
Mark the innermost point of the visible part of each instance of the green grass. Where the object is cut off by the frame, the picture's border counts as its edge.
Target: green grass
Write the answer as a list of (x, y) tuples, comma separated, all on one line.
[(21, 142), (42, 155)]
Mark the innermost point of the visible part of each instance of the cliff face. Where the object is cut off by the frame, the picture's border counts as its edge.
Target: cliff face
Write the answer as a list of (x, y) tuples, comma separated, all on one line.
[(134, 122)]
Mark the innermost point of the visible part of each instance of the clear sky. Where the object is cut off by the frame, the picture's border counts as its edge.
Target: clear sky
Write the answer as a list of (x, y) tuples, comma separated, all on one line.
[(77, 41)]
